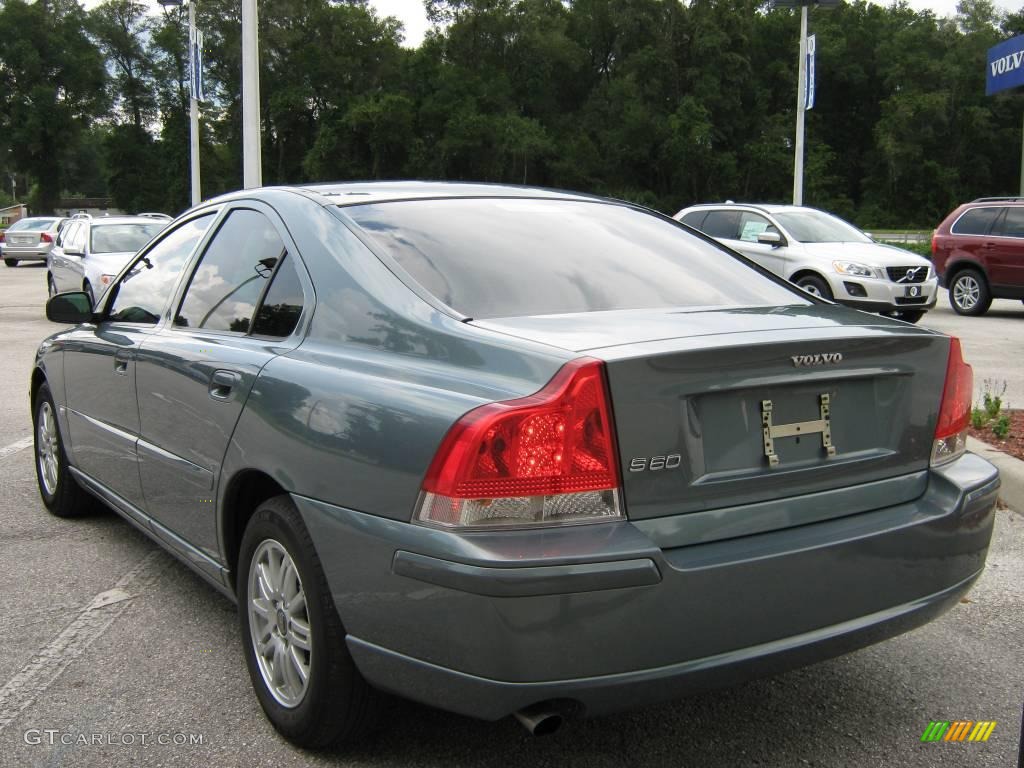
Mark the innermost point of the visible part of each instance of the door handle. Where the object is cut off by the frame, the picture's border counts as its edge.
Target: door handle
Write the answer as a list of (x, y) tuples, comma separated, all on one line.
[(222, 384), (121, 363)]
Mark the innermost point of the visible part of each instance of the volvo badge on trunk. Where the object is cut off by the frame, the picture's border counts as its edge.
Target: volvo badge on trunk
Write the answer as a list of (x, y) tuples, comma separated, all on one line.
[(825, 358)]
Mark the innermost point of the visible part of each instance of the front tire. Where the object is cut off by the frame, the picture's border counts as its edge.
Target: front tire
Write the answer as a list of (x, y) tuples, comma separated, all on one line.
[(88, 292), (61, 495), (51, 286), (969, 293), (293, 640), (816, 286), (11, 262)]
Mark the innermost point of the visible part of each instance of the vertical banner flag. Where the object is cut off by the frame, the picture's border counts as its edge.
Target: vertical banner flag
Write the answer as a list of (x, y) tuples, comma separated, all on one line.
[(195, 64), (809, 102)]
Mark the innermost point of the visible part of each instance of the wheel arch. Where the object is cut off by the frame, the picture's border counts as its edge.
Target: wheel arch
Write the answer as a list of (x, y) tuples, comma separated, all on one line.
[(243, 494), (807, 272), (958, 266)]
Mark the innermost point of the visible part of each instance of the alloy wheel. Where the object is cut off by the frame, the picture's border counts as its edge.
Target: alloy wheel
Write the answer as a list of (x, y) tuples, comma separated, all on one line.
[(279, 623), (48, 449), (966, 292)]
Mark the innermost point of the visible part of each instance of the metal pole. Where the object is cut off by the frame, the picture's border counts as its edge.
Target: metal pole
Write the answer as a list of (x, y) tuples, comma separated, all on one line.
[(194, 114), (252, 175), (801, 103)]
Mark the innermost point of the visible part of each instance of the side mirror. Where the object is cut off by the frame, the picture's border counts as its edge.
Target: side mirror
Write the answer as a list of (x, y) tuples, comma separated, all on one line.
[(774, 239), (73, 252), (73, 307)]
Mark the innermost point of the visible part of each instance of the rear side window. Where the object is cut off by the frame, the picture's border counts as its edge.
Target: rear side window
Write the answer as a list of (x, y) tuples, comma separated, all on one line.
[(230, 278), (695, 219), (724, 224), (513, 257), (282, 304), (976, 221), (1012, 224)]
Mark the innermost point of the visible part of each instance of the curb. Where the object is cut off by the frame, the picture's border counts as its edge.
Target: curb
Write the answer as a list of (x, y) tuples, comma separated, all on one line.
[(1011, 472)]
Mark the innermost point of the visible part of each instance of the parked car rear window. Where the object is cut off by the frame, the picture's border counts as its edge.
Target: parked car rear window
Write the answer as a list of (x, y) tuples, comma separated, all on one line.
[(122, 238), (725, 224), (31, 225), (513, 257), (975, 221)]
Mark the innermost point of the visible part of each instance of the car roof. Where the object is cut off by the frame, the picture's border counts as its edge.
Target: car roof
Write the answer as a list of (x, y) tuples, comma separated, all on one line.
[(766, 207), (124, 220), (377, 191)]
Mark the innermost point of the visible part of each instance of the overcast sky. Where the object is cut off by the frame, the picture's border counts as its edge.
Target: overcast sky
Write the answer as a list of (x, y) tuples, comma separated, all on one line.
[(414, 17)]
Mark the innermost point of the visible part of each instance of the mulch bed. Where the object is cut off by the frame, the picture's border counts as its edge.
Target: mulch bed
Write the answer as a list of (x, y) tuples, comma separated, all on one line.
[(1013, 444)]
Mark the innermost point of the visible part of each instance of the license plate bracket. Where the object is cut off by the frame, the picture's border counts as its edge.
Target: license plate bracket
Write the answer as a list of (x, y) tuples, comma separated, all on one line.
[(912, 291), (821, 425)]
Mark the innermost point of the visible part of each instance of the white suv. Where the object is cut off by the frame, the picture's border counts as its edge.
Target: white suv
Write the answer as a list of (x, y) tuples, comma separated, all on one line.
[(822, 254)]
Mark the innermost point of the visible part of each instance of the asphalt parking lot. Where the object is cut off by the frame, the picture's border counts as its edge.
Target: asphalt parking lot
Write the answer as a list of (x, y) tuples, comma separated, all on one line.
[(107, 641)]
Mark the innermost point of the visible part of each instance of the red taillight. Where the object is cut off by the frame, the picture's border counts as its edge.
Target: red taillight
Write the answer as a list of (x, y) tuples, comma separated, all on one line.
[(955, 408), (45, 237), (3, 237), (549, 457), (935, 238)]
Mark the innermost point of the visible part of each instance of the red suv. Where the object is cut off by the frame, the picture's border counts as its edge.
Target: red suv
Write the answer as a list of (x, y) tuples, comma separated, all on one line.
[(978, 253)]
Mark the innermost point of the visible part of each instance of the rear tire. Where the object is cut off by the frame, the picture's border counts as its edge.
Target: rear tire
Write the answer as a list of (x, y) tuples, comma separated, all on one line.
[(969, 293), (11, 262), (61, 495), (288, 622), (816, 286)]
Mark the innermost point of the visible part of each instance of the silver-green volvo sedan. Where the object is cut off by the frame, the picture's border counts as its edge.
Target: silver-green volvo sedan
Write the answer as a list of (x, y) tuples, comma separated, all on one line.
[(509, 451)]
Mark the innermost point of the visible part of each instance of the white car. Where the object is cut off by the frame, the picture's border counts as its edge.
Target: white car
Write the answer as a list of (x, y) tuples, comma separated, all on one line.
[(90, 252), (823, 254)]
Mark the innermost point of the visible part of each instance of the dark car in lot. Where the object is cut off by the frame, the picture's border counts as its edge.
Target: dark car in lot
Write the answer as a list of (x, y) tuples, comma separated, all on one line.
[(978, 253), (509, 451)]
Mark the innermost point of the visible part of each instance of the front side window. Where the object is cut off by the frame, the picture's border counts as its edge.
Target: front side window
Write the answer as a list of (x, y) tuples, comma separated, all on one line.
[(229, 280), (752, 225), (507, 257), (121, 238), (976, 221), (1012, 224), (142, 294)]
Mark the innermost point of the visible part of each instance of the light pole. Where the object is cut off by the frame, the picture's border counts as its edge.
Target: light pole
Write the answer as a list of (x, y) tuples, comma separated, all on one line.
[(194, 85), (802, 104), (252, 166)]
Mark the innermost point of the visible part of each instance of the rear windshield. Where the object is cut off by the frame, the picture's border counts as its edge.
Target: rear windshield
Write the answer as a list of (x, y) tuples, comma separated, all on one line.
[(512, 257), (120, 238), (31, 225)]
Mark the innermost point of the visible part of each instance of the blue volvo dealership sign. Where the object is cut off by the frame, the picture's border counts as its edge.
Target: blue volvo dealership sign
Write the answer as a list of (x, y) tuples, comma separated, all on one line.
[(1005, 68)]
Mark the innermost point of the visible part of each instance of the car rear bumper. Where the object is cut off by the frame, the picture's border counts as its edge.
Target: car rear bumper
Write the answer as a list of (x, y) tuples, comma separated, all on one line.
[(25, 254), (485, 624)]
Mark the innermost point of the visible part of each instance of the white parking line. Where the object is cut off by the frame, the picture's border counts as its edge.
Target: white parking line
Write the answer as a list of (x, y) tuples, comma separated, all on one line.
[(49, 663), (7, 450)]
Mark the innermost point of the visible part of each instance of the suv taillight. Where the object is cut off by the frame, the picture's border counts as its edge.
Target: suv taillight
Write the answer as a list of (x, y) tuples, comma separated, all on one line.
[(546, 459), (955, 409), (935, 237)]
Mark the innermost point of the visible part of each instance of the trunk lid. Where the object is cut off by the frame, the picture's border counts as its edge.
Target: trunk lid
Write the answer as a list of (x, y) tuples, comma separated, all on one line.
[(690, 392)]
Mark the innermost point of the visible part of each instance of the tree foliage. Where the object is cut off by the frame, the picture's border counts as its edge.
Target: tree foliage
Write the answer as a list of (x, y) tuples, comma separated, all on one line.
[(658, 101)]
